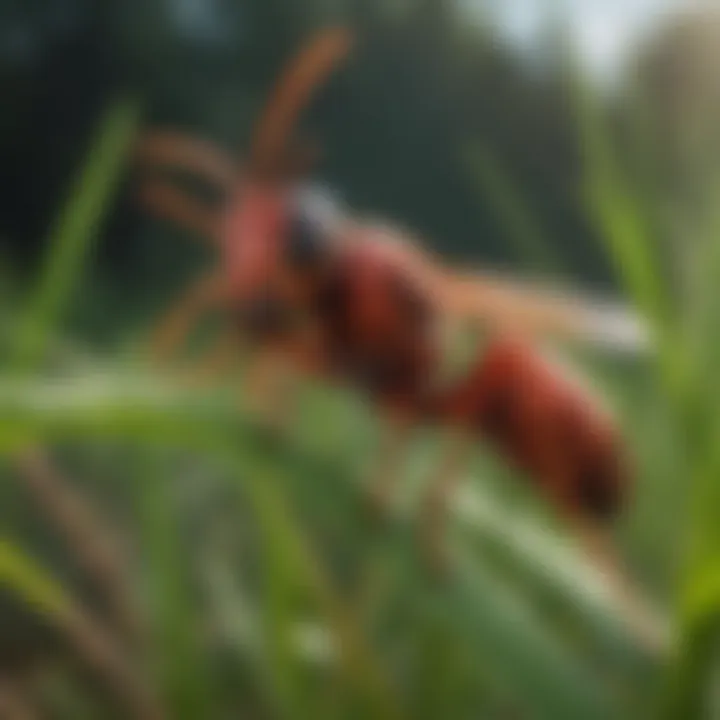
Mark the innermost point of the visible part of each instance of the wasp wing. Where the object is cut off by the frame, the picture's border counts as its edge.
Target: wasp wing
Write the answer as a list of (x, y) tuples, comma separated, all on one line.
[(500, 303)]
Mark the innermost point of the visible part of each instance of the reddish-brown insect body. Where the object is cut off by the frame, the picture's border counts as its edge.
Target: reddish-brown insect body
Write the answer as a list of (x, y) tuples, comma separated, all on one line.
[(379, 325), (545, 425), (377, 312)]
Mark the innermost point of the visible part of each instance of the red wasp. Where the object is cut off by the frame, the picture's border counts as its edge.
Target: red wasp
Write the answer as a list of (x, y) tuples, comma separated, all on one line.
[(363, 303)]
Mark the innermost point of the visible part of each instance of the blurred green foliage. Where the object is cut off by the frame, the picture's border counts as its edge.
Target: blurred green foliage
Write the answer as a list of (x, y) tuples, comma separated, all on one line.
[(395, 125), (264, 590)]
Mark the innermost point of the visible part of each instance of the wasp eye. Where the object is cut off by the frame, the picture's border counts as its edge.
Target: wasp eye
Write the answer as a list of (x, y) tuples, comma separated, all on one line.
[(314, 217), (306, 243)]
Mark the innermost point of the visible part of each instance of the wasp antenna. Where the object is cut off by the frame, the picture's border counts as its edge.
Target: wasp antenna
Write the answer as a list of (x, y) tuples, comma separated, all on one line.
[(310, 67), (175, 150), (302, 159), (177, 206)]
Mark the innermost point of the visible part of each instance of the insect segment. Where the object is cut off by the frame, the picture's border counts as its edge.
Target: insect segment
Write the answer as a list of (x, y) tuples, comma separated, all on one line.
[(547, 425), (375, 301), (381, 327)]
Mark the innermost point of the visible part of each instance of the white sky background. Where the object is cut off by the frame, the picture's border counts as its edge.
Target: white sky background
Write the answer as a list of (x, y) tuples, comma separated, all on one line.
[(605, 31)]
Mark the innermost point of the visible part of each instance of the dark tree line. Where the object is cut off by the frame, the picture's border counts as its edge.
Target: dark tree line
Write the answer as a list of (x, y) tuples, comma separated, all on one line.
[(432, 122)]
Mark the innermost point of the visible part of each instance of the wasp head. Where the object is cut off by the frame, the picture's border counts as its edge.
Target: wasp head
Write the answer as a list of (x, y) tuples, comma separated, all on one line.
[(278, 241)]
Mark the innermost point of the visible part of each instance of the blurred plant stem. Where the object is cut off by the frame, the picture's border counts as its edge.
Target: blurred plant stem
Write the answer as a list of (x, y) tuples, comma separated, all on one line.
[(176, 643), (88, 536), (627, 227), (15, 702), (69, 242), (692, 671), (69, 245), (87, 641), (515, 214)]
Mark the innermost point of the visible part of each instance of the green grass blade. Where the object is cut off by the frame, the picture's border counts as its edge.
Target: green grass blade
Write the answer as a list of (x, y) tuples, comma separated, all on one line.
[(544, 678), (360, 670), (682, 354), (175, 615), (30, 583), (89, 642), (71, 236), (513, 211), (127, 406), (690, 674)]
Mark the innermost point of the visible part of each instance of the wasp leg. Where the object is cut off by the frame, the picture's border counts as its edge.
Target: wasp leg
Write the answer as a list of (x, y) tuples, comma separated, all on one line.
[(171, 203), (222, 357), (276, 374), (204, 294), (434, 510), (172, 149), (388, 472), (271, 386)]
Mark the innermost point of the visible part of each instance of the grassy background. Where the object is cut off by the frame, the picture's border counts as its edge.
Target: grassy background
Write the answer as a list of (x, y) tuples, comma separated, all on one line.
[(161, 556)]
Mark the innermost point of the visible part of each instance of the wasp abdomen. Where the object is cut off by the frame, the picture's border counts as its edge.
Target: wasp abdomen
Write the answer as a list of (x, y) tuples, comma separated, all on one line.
[(544, 425)]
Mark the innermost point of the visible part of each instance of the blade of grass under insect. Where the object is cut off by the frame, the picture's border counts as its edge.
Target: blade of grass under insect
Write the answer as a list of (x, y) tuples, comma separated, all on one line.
[(359, 667), (446, 674), (239, 623), (280, 592), (152, 414), (543, 561), (70, 239), (282, 599), (178, 646), (543, 678), (270, 508), (107, 405), (560, 664), (413, 586), (553, 568), (207, 435)]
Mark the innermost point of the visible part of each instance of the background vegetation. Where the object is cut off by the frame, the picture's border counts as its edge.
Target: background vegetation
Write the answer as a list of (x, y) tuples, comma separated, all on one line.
[(161, 557)]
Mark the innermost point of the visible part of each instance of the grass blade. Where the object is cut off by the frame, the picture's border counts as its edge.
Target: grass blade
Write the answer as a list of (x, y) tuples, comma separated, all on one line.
[(73, 231)]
